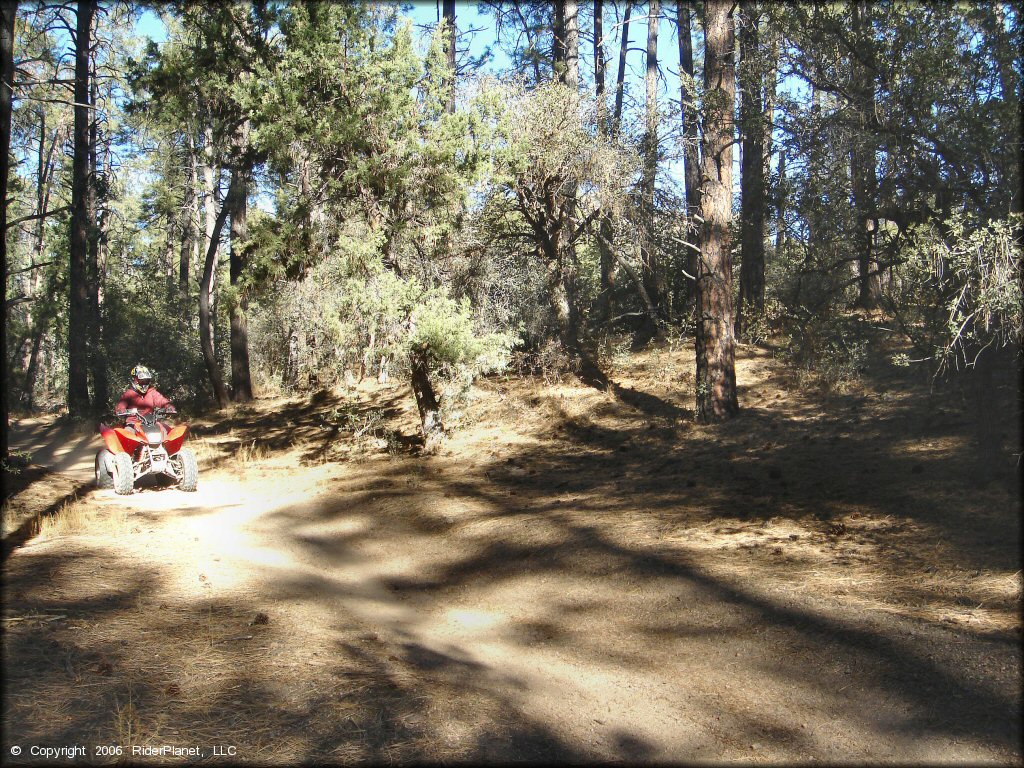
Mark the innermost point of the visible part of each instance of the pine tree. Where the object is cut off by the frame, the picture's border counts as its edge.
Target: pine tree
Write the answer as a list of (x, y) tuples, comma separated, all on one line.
[(752, 179), (714, 340), (80, 317), (8, 14)]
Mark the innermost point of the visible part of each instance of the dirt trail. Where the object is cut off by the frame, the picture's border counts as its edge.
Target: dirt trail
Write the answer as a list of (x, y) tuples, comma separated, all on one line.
[(573, 579), (62, 447)]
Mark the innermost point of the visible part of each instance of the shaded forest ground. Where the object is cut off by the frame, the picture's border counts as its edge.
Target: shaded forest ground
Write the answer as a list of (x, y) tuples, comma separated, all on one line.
[(575, 577)]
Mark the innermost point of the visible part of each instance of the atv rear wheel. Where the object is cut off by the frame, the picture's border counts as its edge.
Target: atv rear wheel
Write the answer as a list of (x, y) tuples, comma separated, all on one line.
[(123, 477), (103, 477), (188, 467)]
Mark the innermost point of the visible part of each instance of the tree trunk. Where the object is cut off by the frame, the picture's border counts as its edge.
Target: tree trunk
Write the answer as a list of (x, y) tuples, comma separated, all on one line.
[(620, 78), (571, 27), (171, 232), (600, 67), (1005, 51), (691, 147), (603, 308), (771, 75), (715, 346), (561, 295), (291, 365), (210, 203), (449, 33), (780, 204), (863, 174), (205, 291), (426, 400), (48, 355), (813, 191), (572, 79), (648, 249), (561, 304), (241, 381), (79, 315), (431, 422), (566, 65), (419, 360), (28, 391), (638, 283), (35, 325), (8, 13), (558, 42), (98, 357), (188, 228), (869, 285), (752, 170), (302, 162)]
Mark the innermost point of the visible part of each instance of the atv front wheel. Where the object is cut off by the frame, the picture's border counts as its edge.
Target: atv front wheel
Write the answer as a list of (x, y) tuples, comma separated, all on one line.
[(188, 470), (103, 478), (124, 479)]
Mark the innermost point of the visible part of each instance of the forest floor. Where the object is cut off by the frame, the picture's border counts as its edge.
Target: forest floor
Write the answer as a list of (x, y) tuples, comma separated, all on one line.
[(574, 577)]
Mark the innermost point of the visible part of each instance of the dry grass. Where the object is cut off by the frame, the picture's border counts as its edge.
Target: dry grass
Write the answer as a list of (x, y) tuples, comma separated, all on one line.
[(204, 449), (126, 721), (10, 518), (252, 452), (77, 516), (72, 517)]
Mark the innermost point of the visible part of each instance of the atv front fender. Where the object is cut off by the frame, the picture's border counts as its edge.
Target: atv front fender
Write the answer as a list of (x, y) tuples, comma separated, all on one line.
[(119, 440), (174, 439), (110, 440)]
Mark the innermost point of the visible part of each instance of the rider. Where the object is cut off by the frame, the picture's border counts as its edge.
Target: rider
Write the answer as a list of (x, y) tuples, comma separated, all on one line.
[(142, 395)]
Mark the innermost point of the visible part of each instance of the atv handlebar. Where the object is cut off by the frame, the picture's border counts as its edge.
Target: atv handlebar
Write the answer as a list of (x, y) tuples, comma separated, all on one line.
[(169, 410)]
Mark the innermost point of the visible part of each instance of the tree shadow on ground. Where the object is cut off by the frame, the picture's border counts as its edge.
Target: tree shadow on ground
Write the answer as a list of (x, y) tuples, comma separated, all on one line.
[(130, 665), (592, 376), (317, 424), (33, 494), (906, 453), (940, 693), (899, 460), (588, 533), (943, 689)]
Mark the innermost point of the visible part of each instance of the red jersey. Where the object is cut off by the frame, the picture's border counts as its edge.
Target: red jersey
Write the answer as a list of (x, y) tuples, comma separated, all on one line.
[(145, 403)]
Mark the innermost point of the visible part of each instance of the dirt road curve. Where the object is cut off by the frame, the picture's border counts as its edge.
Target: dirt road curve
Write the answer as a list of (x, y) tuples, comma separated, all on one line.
[(63, 448), (444, 608)]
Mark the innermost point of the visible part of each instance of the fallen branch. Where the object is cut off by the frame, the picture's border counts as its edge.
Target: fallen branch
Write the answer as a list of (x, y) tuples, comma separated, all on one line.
[(236, 637)]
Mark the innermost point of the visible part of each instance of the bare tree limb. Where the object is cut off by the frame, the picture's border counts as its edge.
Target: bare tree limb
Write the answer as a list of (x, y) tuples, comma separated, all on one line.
[(34, 216), (31, 267)]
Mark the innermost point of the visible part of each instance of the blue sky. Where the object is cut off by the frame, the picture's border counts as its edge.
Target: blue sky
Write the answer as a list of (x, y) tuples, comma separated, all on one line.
[(425, 13), (149, 25)]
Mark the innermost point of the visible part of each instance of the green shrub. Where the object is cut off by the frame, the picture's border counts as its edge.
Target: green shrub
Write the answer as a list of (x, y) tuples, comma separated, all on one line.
[(958, 291), (829, 351)]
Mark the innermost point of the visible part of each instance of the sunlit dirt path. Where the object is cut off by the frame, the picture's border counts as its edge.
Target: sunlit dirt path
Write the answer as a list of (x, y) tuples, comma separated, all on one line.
[(516, 597), (66, 448)]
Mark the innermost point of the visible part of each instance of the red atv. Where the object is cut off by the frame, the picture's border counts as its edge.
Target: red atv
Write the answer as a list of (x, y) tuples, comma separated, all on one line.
[(146, 447)]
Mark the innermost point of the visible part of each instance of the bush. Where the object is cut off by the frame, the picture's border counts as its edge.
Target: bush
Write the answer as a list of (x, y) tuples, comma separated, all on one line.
[(829, 351), (958, 291), (308, 333)]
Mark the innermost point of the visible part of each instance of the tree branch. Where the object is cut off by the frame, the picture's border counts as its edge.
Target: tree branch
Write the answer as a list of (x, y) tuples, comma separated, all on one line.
[(34, 216), (31, 267)]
